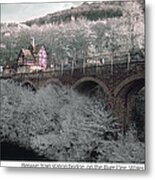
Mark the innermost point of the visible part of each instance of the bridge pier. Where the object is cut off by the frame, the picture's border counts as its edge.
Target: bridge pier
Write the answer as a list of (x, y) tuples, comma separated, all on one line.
[(124, 111)]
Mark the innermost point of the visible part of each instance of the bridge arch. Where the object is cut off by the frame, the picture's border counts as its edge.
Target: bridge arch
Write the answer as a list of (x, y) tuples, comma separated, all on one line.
[(86, 82), (29, 85), (133, 83), (125, 96), (53, 81)]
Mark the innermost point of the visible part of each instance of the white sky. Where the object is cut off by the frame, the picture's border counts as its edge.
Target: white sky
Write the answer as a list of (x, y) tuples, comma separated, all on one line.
[(19, 12)]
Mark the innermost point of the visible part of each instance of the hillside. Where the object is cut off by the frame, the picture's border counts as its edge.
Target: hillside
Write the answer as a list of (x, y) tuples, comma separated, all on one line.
[(93, 11), (87, 29)]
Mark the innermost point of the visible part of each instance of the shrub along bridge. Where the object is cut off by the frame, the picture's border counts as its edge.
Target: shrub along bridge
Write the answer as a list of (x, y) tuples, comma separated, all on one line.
[(119, 78)]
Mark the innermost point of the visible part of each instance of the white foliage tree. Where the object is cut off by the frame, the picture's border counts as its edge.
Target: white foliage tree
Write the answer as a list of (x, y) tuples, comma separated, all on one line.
[(62, 126)]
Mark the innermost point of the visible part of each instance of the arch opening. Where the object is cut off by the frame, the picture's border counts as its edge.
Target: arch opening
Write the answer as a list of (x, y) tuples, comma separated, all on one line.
[(29, 86), (94, 89), (139, 118), (132, 87), (131, 106), (90, 85), (88, 88), (53, 82)]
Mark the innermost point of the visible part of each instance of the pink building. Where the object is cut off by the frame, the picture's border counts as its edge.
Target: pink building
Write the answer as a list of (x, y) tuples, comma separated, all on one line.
[(32, 59)]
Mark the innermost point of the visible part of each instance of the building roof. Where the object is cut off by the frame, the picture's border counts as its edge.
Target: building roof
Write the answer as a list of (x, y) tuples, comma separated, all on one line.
[(27, 54), (35, 50)]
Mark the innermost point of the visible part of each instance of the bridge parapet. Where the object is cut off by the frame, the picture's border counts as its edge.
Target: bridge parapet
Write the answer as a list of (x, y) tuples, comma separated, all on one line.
[(112, 75)]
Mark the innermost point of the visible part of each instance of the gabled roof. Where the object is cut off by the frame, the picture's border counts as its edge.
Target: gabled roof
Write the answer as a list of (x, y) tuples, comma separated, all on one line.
[(27, 54), (36, 50)]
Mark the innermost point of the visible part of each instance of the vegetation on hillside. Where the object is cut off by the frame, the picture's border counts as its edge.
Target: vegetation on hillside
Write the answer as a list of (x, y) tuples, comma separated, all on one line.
[(90, 11), (76, 39)]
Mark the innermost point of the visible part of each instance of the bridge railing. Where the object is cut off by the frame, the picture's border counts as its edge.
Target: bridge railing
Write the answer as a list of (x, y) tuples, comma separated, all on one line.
[(121, 57), (91, 63)]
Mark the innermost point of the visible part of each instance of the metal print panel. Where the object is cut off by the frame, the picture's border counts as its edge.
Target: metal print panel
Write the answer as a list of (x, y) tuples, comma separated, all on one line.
[(72, 78)]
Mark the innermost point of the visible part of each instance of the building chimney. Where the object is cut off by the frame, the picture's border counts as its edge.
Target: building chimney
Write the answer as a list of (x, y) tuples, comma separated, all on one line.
[(33, 44)]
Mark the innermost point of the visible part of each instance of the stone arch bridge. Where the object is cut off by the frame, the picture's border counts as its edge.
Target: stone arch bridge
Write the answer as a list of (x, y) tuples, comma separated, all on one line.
[(119, 81)]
